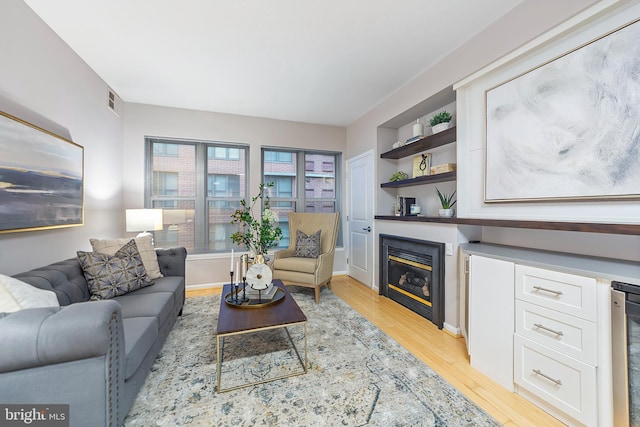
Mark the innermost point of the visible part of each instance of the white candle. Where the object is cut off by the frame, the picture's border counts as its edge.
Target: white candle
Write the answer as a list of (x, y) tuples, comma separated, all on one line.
[(244, 270), (238, 270), (231, 264)]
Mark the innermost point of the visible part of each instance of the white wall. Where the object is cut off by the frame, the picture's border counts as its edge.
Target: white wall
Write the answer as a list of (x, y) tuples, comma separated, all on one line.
[(42, 81), (471, 153), (524, 23), (146, 120), (45, 83)]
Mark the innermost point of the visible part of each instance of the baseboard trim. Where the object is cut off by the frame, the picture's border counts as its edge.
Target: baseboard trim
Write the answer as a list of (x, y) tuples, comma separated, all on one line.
[(205, 286), (452, 330)]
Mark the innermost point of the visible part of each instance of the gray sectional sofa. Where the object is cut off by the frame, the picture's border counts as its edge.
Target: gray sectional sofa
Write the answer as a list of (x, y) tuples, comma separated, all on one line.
[(92, 355)]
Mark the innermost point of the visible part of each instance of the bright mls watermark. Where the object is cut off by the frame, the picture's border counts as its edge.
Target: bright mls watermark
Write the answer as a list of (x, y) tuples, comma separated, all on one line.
[(34, 415)]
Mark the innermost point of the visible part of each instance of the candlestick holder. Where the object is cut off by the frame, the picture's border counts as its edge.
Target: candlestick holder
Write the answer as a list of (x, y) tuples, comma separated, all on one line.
[(234, 287), (244, 289)]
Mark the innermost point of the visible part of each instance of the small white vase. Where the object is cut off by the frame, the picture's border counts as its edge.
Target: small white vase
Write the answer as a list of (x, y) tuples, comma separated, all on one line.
[(447, 213), (440, 127), (418, 129)]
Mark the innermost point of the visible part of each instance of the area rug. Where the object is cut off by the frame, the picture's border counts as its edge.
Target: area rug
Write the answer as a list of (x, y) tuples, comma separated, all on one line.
[(357, 376)]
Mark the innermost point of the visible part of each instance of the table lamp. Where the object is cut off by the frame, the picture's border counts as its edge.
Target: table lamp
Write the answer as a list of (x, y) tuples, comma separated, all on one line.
[(143, 220)]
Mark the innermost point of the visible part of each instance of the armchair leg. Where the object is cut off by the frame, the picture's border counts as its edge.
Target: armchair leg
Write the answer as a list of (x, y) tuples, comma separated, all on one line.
[(317, 294)]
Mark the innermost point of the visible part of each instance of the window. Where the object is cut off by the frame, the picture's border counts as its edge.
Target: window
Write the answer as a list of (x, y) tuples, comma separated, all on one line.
[(224, 153), (165, 150), (165, 183), (278, 157), (223, 185), (282, 186), (198, 186), (315, 172)]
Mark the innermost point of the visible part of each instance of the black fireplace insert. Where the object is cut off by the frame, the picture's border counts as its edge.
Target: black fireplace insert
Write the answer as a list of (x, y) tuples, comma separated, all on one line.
[(412, 274)]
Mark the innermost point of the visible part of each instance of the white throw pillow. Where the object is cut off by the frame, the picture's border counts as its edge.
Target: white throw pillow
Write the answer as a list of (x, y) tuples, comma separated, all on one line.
[(24, 295), (145, 247), (8, 303)]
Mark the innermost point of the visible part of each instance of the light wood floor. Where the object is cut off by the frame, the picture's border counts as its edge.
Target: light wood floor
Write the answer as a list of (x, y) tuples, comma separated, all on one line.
[(444, 353)]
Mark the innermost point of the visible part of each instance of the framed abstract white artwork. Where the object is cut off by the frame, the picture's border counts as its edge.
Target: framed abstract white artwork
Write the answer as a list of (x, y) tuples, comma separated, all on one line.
[(570, 128)]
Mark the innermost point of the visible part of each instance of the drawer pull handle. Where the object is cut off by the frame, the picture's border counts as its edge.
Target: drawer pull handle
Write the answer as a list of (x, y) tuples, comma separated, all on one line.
[(541, 326), (553, 380), (551, 291)]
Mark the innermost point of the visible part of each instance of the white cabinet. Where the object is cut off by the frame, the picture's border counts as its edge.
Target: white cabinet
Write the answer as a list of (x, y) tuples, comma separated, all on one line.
[(539, 332), (567, 293), (491, 302), (555, 342), (567, 384), (564, 333)]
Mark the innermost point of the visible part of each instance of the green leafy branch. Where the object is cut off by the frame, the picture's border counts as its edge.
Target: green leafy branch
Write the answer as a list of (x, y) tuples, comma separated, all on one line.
[(256, 234)]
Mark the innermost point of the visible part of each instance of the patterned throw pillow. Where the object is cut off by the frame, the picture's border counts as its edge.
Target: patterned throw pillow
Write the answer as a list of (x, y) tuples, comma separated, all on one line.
[(111, 275), (307, 246)]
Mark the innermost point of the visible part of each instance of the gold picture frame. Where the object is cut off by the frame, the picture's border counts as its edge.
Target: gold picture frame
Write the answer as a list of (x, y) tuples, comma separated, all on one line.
[(41, 178)]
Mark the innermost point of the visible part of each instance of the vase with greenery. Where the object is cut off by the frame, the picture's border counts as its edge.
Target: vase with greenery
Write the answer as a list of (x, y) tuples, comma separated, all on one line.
[(260, 233), (440, 121), (447, 202)]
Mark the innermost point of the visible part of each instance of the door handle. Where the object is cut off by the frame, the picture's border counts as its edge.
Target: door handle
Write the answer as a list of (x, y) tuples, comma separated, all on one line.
[(368, 229)]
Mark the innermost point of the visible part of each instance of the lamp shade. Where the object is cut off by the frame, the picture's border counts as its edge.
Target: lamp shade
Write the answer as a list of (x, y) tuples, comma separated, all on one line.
[(143, 219)]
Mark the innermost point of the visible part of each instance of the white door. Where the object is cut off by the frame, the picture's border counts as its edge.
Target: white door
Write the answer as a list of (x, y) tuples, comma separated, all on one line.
[(360, 233)]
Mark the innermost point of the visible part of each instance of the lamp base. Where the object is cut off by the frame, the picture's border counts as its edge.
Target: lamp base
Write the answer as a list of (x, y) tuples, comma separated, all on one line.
[(144, 234)]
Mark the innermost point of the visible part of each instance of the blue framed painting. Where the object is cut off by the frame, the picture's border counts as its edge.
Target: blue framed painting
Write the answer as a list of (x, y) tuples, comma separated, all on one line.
[(568, 129), (41, 178)]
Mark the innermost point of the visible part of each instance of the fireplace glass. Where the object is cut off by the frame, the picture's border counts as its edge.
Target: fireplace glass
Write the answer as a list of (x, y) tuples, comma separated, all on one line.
[(410, 274)]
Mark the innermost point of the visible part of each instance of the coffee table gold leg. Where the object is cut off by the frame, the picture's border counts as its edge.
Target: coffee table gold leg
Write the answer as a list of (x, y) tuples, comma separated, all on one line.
[(219, 360), (302, 362)]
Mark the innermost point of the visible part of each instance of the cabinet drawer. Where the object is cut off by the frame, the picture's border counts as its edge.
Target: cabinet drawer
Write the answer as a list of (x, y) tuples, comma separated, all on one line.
[(570, 335), (564, 382), (567, 293)]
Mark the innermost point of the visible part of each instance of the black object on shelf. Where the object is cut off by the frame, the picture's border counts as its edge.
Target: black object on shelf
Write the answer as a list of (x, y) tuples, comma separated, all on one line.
[(405, 205)]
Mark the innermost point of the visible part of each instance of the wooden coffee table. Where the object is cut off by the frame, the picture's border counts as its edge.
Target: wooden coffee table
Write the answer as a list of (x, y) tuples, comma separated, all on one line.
[(236, 321)]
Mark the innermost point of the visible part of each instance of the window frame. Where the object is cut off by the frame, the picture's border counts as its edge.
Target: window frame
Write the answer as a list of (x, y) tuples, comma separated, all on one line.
[(201, 198), (300, 180)]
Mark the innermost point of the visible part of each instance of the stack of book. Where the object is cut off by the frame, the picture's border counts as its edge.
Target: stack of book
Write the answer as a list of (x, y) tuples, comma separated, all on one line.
[(265, 294), (414, 139)]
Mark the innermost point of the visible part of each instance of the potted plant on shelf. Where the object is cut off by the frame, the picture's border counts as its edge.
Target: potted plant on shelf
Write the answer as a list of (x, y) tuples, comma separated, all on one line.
[(440, 121), (256, 234), (398, 176), (447, 210)]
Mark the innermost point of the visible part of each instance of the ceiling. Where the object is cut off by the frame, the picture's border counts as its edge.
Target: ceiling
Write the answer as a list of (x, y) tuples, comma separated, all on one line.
[(326, 62)]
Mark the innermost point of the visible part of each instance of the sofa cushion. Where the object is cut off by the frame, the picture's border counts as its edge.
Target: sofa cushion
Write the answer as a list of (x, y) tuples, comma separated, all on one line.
[(304, 265), (110, 276), (307, 246), (158, 304), (16, 295), (172, 284), (145, 247), (140, 334)]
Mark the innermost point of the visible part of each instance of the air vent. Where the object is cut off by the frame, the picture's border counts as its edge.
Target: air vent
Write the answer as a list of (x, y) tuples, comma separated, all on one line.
[(114, 102)]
